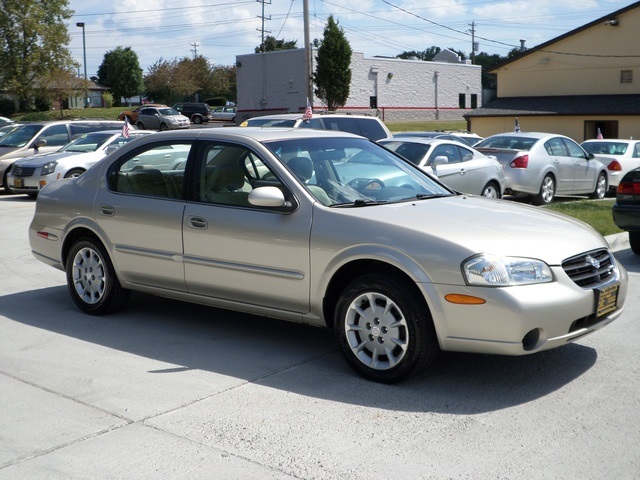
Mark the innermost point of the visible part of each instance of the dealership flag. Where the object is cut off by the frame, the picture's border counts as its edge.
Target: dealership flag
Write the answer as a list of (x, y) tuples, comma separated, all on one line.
[(125, 128), (517, 129), (308, 112), (599, 136)]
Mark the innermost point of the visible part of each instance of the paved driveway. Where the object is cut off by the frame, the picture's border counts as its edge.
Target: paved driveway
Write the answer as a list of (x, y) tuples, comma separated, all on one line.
[(166, 390)]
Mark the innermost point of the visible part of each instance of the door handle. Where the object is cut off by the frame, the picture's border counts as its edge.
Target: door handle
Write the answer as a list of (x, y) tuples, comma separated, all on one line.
[(198, 223), (107, 210)]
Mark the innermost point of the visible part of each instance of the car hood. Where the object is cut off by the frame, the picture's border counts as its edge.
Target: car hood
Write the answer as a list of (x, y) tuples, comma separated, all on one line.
[(39, 160), (457, 227)]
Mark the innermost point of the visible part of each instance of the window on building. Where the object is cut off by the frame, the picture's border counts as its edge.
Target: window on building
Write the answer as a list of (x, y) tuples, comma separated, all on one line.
[(626, 76), (462, 100)]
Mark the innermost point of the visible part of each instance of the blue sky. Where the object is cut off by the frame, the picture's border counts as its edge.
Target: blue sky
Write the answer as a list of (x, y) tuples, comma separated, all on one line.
[(222, 29)]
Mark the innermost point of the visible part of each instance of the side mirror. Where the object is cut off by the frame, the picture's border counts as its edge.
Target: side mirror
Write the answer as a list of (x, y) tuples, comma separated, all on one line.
[(41, 142), (439, 160), (267, 197)]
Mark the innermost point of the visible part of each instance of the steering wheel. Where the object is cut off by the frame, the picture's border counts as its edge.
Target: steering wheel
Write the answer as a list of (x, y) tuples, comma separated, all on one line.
[(367, 184)]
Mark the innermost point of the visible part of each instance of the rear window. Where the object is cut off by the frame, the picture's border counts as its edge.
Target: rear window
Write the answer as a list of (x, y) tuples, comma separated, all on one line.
[(608, 148), (508, 142)]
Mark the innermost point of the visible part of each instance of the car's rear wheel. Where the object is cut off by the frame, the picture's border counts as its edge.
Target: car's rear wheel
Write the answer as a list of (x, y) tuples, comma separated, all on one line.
[(74, 173), (91, 279), (491, 190), (634, 242), (547, 191), (197, 119), (383, 329), (140, 126), (601, 187)]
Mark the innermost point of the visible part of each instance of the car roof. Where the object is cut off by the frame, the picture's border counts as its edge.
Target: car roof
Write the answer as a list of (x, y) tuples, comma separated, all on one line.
[(604, 140), (425, 140)]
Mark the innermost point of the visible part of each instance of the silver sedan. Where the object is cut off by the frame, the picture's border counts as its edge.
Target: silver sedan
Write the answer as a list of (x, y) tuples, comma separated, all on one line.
[(543, 165), (263, 221), (459, 167)]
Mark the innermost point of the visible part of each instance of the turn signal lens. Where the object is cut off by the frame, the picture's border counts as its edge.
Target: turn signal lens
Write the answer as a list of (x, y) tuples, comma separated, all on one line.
[(460, 299)]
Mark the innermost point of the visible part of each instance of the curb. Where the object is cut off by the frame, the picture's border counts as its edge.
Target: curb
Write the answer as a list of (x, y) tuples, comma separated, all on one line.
[(618, 241)]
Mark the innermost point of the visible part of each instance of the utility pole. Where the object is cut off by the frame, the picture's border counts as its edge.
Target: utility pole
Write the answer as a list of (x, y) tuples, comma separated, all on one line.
[(474, 45), (195, 46), (307, 51), (263, 18)]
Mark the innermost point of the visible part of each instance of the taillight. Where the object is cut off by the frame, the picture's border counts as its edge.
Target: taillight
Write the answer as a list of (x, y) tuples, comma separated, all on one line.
[(614, 166), (520, 162), (629, 188)]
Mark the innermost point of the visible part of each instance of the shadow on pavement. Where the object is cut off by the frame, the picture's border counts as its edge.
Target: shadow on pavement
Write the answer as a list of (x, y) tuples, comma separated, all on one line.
[(295, 357)]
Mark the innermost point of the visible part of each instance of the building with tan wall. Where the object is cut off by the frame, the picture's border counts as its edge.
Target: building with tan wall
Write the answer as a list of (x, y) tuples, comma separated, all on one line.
[(575, 84)]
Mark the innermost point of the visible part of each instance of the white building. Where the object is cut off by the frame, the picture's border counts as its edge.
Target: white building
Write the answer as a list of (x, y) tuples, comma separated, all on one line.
[(392, 88)]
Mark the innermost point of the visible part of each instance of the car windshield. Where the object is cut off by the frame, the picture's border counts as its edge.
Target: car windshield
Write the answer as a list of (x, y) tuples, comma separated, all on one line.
[(508, 142), (608, 148), (20, 136), (89, 142), (168, 111), (354, 172)]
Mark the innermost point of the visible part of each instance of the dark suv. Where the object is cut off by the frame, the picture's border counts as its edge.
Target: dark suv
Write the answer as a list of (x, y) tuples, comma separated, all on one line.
[(196, 112)]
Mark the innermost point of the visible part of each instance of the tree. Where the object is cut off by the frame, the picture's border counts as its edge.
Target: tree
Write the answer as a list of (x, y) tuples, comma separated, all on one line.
[(333, 75), (120, 71), (271, 45), (62, 84), (33, 39)]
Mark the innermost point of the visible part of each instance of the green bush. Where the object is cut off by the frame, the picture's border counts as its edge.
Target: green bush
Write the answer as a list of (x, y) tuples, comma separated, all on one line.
[(108, 99), (43, 104), (7, 107), (35, 117)]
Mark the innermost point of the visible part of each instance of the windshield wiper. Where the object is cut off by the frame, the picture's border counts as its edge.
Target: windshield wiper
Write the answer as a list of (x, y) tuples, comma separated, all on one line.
[(360, 203), (426, 196)]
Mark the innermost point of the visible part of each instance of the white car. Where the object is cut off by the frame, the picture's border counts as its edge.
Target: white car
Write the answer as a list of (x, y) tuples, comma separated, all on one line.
[(28, 175), (457, 166), (620, 156)]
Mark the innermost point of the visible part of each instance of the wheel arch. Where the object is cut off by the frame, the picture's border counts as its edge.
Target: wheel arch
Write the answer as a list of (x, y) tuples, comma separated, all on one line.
[(357, 268), (72, 237)]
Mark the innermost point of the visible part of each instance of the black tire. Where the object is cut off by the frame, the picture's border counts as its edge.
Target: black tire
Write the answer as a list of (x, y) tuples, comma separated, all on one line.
[(91, 279), (140, 126), (5, 183), (491, 190), (197, 119), (634, 242), (74, 173), (164, 127), (601, 187), (547, 191), (390, 347)]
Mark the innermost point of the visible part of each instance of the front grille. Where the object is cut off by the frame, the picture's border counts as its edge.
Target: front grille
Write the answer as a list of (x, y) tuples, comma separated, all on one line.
[(590, 269), (19, 171)]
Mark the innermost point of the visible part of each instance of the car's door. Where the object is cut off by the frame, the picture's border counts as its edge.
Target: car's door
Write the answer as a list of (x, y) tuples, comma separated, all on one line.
[(238, 252), (585, 171), (54, 136), (141, 213), (453, 173), (562, 164)]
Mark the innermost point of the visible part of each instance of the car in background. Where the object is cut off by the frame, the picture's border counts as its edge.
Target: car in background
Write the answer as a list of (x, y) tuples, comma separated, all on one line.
[(397, 272), (225, 113), (626, 210), (5, 121), (44, 137), (132, 115), (30, 174), (364, 125), (466, 139), (161, 118), (543, 165), (7, 127), (196, 112), (618, 155), (458, 166)]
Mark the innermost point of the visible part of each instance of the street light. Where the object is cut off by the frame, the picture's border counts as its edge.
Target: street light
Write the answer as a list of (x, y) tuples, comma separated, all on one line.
[(84, 54)]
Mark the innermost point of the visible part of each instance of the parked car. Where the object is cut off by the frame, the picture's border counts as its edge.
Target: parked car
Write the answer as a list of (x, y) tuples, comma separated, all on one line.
[(470, 139), (626, 210), (30, 174), (398, 272), (543, 165), (459, 167), (7, 127), (619, 156), (132, 115), (5, 121), (43, 137), (161, 118), (365, 125), (225, 113), (195, 112)]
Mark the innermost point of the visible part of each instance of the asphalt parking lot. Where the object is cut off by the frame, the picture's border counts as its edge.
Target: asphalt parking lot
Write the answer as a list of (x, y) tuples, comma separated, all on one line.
[(167, 390)]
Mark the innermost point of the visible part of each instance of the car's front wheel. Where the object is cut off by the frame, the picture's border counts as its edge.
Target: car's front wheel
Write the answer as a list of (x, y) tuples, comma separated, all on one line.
[(74, 173), (91, 279), (634, 242), (601, 187), (547, 191), (383, 329), (140, 126), (164, 127)]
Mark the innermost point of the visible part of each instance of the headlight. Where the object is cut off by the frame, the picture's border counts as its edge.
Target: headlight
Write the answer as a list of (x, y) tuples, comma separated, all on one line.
[(491, 271), (49, 167), (172, 120)]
